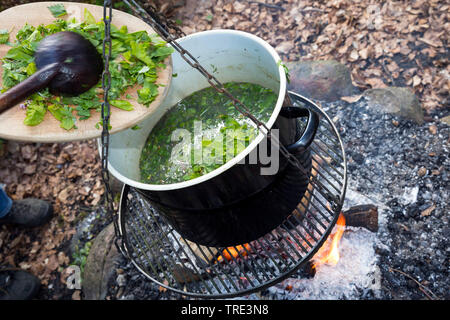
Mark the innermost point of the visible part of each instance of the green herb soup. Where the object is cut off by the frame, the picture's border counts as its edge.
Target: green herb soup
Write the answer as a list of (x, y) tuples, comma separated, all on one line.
[(202, 132)]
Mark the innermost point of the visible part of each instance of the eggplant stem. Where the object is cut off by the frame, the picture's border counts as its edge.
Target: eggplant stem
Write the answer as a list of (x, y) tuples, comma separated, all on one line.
[(26, 88)]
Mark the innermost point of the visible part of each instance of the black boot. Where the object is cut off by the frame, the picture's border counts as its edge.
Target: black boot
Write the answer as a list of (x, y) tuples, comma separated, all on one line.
[(18, 285), (28, 213)]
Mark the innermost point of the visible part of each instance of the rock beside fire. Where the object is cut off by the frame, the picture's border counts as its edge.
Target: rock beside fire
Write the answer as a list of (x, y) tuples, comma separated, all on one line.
[(326, 80), (446, 120), (399, 101), (100, 265)]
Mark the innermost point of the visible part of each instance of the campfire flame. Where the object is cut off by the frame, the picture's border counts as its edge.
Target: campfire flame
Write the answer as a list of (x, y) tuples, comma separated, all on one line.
[(329, 252), (234, 252)]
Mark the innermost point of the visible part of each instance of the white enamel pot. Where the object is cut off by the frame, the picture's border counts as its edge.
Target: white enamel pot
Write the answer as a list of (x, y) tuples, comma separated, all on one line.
[(230, 56)]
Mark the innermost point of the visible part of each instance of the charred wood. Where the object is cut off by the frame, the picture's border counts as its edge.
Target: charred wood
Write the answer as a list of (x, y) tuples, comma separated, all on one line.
[(365, 216)]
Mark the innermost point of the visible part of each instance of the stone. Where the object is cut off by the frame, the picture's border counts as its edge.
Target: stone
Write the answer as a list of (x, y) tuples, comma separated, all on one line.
[(422, 171), (326, 80), (100, 265), (409, 195), (446, 120), (121, 280), (399, 101), (432, 129)]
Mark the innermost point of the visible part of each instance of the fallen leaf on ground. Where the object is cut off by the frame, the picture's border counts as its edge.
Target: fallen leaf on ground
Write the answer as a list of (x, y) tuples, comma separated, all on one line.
[(428, 211), (351, 99)]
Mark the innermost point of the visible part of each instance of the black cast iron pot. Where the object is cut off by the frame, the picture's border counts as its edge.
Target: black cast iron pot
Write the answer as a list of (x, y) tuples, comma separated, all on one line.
[(238, 56), (245, 220)]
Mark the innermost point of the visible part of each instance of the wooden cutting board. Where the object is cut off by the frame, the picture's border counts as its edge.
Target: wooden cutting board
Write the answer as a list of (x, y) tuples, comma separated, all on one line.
[(11, 121)]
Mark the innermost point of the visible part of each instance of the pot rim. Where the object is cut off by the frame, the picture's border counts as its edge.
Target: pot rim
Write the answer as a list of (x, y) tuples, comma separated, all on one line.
[(246, 151)]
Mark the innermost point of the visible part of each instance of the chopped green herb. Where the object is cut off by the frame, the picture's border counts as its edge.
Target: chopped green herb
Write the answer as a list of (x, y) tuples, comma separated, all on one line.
[(148, 93), (31, 68), (88, 17), (4, 36), (64, 115), (122, 104), (136, 58), (35, 113), (58, 10)]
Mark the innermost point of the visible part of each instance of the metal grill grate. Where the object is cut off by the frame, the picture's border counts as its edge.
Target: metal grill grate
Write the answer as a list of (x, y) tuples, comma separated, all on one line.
[(163, 256)]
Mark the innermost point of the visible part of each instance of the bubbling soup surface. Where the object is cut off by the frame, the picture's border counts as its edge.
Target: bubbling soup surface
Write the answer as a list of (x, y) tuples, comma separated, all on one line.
[(202, 132)]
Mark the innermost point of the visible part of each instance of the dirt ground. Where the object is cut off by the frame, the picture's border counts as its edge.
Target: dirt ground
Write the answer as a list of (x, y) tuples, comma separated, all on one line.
[(384, 43)]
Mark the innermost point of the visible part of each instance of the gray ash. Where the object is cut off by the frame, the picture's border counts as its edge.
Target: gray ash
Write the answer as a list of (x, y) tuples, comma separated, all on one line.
[(405, 167)]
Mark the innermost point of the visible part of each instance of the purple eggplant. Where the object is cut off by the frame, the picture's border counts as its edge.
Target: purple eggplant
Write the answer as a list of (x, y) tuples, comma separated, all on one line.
[(67, 63)]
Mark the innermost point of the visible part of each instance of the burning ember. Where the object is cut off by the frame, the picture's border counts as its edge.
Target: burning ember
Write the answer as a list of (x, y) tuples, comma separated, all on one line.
[(329, 252), (234, 252)]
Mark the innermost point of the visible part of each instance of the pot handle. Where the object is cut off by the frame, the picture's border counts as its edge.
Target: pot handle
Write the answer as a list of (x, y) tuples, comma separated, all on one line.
[(311, 127)]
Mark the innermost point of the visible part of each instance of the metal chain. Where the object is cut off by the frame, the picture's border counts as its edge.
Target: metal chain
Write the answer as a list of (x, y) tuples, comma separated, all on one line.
[(162, 21), (153, 19), (106, 113)]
